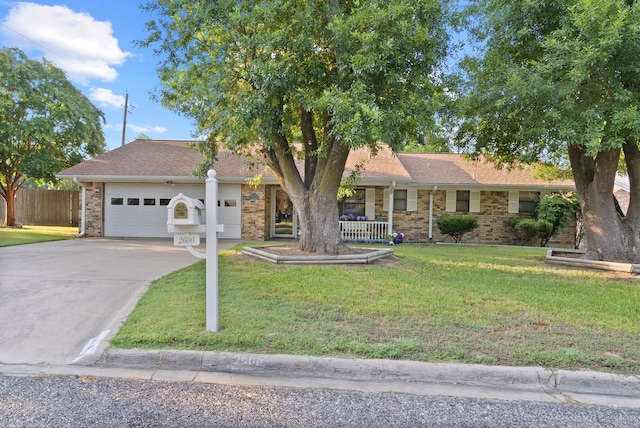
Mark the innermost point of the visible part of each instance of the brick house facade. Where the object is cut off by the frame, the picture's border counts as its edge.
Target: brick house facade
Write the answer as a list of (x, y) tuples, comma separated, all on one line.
[(429, 178)]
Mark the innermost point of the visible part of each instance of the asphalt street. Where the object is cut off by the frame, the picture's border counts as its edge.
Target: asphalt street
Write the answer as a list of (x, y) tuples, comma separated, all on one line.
[(93, 402)]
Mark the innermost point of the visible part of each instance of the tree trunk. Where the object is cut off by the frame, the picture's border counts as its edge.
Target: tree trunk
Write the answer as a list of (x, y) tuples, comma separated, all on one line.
[(607, 237), (319, 223), (314, 198), (9, 195)]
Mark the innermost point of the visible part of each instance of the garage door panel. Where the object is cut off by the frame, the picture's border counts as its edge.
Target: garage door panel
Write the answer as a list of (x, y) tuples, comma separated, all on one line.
[(140, 210)]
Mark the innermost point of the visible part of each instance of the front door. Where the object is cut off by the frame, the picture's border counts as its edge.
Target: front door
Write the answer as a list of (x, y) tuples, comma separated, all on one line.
[(283, 219)]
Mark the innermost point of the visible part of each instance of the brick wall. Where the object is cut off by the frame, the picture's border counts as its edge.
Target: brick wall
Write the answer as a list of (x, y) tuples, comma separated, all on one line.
[(255, 223), (491, 218), (94, 209)]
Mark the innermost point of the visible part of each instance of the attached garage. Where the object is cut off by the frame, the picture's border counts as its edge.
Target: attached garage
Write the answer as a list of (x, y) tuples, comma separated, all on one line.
[(140, 209)]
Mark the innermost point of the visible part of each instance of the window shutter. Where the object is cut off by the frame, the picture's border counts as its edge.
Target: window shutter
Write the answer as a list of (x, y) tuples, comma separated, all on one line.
[(474, 201), (385, 200), (514, 201), (451, 201), (412, 200), (370, 203)]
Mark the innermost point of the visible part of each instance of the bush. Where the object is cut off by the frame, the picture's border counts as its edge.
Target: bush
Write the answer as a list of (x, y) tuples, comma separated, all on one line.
[(456, 226), (527, 229)]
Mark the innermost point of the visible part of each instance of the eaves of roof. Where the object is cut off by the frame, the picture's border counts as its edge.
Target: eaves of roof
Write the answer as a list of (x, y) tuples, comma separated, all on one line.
[(133, 178)]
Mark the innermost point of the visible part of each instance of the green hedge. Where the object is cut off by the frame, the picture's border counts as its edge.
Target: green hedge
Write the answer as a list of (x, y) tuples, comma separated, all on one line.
[(456, 226)]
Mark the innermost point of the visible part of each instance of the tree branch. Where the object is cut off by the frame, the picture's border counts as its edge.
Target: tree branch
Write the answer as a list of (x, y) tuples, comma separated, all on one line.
[(310, 145)]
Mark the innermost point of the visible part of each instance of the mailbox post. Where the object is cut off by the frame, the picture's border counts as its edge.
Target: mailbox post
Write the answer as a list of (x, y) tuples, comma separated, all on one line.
[(211, 195), (184, 217)]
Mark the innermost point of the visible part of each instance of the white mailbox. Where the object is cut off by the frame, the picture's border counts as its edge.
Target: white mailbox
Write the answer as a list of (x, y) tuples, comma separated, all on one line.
[(184, 211)]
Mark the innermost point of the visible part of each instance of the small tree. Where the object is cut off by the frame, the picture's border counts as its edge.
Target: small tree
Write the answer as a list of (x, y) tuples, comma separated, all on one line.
[(456, 226), (552, 214), (46, 124), (559, 209)]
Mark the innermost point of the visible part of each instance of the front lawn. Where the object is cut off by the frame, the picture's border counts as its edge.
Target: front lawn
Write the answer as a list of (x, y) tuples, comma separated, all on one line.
[(436, 303), (33, 234)]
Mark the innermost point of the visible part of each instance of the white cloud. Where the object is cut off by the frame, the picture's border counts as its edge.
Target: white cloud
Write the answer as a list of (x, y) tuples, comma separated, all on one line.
[(106, 98), (82, 46), (146, 129)]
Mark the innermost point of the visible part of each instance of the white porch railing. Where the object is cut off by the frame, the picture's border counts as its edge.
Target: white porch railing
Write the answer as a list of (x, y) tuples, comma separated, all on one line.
[(364, 231)]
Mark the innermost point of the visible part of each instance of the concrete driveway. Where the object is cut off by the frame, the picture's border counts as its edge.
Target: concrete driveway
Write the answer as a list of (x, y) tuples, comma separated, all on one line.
[(60, 302)]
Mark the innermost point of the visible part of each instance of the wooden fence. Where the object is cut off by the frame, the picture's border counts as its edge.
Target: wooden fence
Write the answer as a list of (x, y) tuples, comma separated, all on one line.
[(47, 207)]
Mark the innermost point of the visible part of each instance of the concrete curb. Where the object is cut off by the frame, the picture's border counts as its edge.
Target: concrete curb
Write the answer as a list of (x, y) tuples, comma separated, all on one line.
[(523, 379)]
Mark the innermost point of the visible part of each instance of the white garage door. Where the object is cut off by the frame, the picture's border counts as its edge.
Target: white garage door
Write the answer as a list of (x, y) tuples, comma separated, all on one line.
[(140, 210)]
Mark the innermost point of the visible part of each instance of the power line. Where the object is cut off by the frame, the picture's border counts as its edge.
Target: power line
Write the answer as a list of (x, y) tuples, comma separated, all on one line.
[(38, 44)]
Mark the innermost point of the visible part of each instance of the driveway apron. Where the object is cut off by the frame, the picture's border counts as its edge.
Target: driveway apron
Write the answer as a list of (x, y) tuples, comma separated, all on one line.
[(62, 301)]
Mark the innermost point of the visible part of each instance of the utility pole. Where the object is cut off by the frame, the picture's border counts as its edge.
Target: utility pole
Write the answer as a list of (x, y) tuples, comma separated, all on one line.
[(124, 121)]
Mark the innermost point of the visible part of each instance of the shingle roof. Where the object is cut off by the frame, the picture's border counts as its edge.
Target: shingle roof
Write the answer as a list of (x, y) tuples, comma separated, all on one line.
[(178, 158), (384, 165), (451, 169), (144, 158)]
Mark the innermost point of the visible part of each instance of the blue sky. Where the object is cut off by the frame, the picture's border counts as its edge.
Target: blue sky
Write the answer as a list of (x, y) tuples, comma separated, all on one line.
[(93, 41)]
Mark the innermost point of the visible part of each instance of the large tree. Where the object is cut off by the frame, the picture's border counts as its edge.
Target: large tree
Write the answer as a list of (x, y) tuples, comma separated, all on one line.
[(559, 80), (330, 75), (46, 124)]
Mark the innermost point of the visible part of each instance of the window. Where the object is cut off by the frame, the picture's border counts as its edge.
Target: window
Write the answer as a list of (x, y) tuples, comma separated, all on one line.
[(117, 201), (133, 201), (399, 200), (164, 202), (230, 203), (354, 204), (149, 201), (527, 201), (462, 200)]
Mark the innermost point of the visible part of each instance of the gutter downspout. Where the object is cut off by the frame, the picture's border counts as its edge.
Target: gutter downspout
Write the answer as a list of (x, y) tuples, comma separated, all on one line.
[(83, 212), (431, 212), (390, 203)]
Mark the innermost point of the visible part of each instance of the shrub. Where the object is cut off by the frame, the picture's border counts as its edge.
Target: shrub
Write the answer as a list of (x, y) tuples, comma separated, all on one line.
[(527, 229), (559, 209), (456, 226)]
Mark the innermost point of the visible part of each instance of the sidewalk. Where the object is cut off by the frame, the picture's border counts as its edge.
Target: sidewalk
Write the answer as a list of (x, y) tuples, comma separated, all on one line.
[(388, 376)]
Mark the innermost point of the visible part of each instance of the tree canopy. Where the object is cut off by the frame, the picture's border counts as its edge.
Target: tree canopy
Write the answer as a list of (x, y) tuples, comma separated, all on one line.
[(330, 75), (46, 124), (560, 80)]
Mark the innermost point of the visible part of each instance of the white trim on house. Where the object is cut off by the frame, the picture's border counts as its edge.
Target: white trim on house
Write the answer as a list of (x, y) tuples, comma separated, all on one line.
[(474, 201), (370, 203), (412, 199), (450, 204)]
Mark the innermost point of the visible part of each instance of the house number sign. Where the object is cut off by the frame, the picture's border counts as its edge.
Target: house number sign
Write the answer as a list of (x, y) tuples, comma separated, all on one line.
[(180, 211), (186, 239)]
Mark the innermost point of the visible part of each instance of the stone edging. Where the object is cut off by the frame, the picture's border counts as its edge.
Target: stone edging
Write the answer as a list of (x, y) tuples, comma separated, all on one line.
[(552, 258), (364, 258)]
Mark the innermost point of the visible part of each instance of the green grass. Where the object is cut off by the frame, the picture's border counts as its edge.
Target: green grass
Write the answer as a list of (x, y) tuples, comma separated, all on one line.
[(436, 303), (33, 234)]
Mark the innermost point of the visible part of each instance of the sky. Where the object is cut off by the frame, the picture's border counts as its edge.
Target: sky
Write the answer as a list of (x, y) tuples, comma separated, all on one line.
[(93, 42)]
